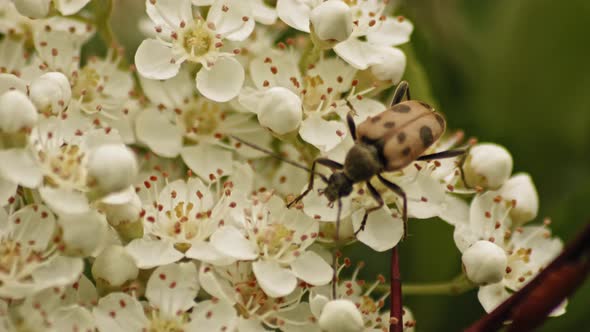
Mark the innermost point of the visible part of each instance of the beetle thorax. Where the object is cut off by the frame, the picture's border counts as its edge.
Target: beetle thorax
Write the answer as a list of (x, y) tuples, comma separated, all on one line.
[(362, 162)]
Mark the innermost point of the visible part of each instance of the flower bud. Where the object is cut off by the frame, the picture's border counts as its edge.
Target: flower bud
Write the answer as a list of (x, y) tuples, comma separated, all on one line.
[(341, 316), (521, 190), (17, 112), (280, 110), (84, 234), (485, 263), (487, 165), (33, 8), (113, 267), (112, 167), (332, 21), (51, 92), (125, 218)]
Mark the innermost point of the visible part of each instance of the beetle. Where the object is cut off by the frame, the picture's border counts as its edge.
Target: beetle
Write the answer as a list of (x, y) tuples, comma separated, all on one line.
[(386, 142)]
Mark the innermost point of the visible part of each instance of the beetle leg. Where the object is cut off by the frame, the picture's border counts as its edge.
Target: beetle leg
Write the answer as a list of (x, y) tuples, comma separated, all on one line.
[(322, 161), (403, 89), (442, 155), (380, 203), (400, 192), (351, 125)]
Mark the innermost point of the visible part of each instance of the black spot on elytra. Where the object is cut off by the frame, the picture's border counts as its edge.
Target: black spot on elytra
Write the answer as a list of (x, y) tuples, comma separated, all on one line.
[(401, 108), (440, 119), (375, 119), (426, 136), (406, 151), (389, 124), (401, 137)]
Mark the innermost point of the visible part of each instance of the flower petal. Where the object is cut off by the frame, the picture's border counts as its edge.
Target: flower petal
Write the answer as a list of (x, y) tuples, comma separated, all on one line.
[(227, 16), (151, 253), (172, 288), (170, 13), (223, 81), (357, 53), (171, 93), (295, 13), (206, 159), (274, 280), (19, 166), (229, 241), (70, 7), (154, 129), (64, 200), (262, 13), (213, 316), (155, 60), (205, 252), (312, 269), (322, 134), (119, 312), (392, 32), (382, 231)]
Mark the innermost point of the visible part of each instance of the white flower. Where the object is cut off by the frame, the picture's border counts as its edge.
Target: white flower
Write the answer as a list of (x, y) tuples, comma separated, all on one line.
[(371, 43), (529, 250), (355, 305), (181, 219), (520, 189), (332, 21), (319, 90), (17, 112), (341, 315), (112, 167), (61, 149), (484, 262), (180, 122), (237, 285), (275, 239), (113, 267), (30, 261), (171, 290), (182, 37), (488, 165), (60, 308)]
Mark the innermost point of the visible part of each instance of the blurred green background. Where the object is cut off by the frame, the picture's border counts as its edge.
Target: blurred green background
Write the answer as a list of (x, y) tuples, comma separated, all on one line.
[(514, 72)]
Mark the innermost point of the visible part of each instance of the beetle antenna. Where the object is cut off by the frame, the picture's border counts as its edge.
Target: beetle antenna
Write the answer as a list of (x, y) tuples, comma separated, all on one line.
[(276, 156)]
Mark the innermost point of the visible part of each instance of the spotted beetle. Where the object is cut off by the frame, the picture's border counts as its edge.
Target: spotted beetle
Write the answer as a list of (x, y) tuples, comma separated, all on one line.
[(386, 142)]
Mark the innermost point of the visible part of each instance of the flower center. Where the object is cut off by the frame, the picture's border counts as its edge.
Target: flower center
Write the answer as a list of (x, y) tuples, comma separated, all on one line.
[(313, 95), (253, 300), (86, 84), (159, 324), (12, 258), (202, 119), (64, 166), (197, 39), (275, 237)]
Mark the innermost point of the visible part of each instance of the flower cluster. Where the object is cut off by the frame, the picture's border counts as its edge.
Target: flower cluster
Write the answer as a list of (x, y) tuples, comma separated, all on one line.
[(126, 203)]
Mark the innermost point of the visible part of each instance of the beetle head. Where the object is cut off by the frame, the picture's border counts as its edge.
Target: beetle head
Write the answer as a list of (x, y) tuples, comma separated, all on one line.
[(339, 185)]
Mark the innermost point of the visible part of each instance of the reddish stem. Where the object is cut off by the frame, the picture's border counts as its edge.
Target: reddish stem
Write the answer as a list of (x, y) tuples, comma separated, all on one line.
[(396, 323)]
